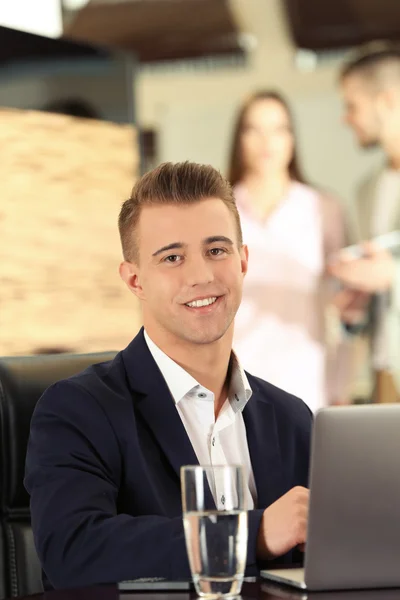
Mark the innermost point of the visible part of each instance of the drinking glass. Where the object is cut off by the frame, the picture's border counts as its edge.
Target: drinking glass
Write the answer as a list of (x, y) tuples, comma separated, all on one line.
[(215, 524)]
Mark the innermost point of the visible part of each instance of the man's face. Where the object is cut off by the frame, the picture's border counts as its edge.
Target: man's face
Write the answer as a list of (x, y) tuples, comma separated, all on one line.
[(190, 273), (361, 110)]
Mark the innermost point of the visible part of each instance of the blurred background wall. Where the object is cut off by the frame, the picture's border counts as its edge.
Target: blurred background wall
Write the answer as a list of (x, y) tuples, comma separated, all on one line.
[(193, 110), (70, 156), (63, 180)]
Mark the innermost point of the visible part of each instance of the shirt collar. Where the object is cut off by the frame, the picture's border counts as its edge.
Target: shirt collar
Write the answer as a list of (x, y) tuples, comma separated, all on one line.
[(180, 382), (239, 388)]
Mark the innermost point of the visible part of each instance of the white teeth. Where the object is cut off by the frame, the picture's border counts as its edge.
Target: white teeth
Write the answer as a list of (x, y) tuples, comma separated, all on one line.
[(204, 302)]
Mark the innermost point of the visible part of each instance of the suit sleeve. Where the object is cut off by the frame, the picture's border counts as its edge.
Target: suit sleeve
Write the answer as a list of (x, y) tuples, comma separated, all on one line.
[(354, 236), (394, 322), (395, 291), (73, 472)]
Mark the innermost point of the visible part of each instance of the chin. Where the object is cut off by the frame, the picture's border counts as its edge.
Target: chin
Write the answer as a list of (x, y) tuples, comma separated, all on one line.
[(267, 167), (205, 335), (367, 143)]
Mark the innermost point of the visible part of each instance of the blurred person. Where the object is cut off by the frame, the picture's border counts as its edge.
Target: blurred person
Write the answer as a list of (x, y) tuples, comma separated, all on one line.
[(370, 300), (106, 446), (291, 228)]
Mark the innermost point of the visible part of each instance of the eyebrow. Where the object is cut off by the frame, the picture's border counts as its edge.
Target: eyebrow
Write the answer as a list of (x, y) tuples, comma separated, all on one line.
[(173, 246), (180, 245), (217, 238)]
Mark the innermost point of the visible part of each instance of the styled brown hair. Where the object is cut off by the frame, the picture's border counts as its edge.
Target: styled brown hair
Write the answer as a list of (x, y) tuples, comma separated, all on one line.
[(370, 60), (236, 164), (172, 183)]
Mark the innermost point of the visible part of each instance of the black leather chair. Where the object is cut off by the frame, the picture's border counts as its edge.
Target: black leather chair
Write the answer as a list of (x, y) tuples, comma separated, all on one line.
[(22, 381)]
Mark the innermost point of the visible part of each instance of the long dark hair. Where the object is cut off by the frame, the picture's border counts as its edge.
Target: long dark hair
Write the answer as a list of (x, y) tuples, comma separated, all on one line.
[(236, 166)]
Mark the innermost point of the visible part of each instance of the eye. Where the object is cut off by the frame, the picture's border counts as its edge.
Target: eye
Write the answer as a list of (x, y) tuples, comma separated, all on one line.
[(172, 258), (284, 129), (249, 129), (217, 251)]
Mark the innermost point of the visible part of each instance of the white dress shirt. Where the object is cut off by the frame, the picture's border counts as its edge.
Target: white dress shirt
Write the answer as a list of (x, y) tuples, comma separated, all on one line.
[(215, 442), (385, 207)]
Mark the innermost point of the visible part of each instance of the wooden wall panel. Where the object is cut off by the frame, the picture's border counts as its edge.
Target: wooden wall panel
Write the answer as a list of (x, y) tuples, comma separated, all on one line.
[(62, 181)]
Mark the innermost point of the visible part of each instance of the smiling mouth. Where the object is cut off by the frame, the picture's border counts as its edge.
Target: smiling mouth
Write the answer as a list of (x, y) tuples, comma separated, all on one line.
[(203, 302)]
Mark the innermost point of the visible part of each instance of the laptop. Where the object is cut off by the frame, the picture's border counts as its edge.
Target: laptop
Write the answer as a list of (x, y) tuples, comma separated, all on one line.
[(275, 591), (353, 539)]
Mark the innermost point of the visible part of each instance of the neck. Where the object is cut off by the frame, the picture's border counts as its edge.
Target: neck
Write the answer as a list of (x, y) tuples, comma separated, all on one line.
[(391, 147), (207, 363), (268, 182), (266, 190)]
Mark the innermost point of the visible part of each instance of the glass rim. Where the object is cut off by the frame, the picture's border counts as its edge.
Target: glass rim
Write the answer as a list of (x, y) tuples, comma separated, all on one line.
[(207, 467)]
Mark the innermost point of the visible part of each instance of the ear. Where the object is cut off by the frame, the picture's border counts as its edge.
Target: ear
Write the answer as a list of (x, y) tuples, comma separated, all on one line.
[(244, 259), (129, 273)]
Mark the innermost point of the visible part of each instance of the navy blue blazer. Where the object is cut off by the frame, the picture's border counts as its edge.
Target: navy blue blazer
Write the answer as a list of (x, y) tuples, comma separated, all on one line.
[(103, 462)]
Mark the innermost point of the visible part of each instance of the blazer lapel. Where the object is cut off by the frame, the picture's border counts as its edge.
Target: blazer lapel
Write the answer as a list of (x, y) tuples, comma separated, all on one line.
[(262, 439), (366, 206), (157, 407), (366, 202), (156, 404)]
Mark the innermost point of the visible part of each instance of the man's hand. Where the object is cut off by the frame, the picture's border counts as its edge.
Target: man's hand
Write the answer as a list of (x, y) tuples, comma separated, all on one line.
[(373, 273), (284, 524), (351, 305)]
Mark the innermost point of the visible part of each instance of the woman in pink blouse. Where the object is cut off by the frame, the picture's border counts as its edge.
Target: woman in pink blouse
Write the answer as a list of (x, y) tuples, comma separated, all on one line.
[(291, 229)]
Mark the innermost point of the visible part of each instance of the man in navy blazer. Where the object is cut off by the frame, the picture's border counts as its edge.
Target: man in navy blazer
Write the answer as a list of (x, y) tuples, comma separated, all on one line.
[(107, 445)]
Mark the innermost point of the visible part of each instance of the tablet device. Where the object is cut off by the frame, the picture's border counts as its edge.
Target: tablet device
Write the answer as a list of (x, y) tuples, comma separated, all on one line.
[(156, 584)]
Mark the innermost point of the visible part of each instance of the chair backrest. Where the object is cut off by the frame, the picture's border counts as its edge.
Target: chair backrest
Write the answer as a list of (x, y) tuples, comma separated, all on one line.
[(22, 382)]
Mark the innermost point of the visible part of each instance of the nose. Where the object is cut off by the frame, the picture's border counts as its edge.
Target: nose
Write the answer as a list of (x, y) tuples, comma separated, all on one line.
[(199, 271), (265, 138)]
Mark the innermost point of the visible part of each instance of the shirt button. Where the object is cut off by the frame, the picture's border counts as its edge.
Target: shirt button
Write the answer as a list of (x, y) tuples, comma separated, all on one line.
[(202, 395), (213, 441), (223, 500)]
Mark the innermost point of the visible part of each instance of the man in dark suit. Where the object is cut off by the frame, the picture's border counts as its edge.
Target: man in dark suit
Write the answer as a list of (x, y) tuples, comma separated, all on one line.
[(106, 446)]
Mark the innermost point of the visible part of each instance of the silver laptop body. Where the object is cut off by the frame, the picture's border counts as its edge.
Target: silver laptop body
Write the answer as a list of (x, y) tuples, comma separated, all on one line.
[(353, 539)]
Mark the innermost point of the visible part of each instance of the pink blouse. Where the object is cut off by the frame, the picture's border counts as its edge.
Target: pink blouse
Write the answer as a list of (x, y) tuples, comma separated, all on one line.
[(280, 326)]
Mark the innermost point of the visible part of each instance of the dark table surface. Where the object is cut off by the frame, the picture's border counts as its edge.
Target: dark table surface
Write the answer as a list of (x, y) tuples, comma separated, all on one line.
[(256, 590)]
